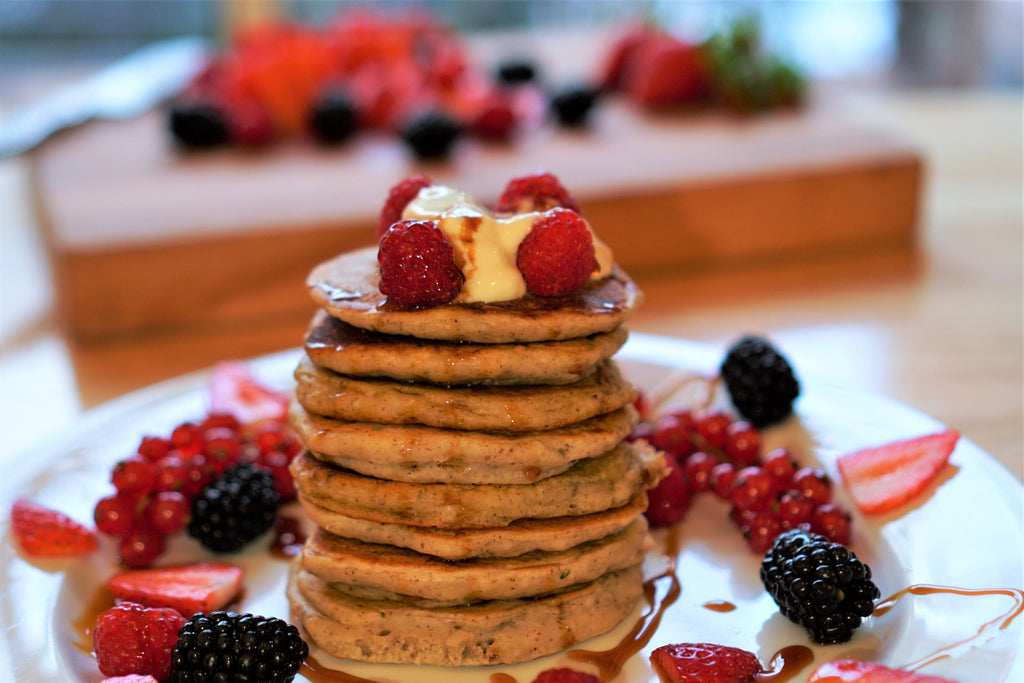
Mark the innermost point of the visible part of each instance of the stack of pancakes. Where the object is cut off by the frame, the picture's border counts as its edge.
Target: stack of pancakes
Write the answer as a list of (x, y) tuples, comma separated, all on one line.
[(466, 470)]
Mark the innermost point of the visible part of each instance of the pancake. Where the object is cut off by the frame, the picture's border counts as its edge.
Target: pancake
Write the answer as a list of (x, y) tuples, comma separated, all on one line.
[(513, 409), (406, 573), (589, 486), (346, 287), (350, 350), (485, 633), (428, 455), (517, 538)]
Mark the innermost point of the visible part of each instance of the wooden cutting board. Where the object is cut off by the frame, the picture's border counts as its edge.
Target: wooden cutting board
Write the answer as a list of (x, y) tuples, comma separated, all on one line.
[(145, 238)]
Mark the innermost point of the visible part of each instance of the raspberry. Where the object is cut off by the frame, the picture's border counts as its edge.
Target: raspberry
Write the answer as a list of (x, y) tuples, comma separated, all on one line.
[(398, 198), (417, 265), (132, 639), (704, 663), (557, 256), (536, 192), (565, 675), (670, 499)]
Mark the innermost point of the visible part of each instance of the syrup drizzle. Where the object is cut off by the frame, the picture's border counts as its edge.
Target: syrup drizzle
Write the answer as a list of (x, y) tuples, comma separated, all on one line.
[(85, 624), (316, 672), (288, 538), (1003, 620), (785, 664), (659, 596), (719, 606), (503, 678)]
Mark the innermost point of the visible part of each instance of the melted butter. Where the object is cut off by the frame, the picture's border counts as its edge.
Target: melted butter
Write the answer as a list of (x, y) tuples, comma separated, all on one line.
[(485, 244)]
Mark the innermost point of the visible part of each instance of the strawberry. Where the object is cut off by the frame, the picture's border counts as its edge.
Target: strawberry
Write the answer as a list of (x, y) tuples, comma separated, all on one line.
[(557, 256), (666, 71), (704, 663), (202, 587), (417, 265), (131, 678), (888, 476), (618, 60), (43, 532), (233, 390), (399, 197), (132, 639), (849, 671)]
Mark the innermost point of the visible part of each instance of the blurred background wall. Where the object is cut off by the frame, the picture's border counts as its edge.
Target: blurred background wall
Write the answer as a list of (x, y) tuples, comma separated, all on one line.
[(897, 43)]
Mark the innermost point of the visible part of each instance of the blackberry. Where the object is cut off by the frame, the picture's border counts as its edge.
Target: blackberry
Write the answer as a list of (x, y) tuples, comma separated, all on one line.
[(516, 71), (818, 584), (572, 105), (334, 117), (430, 135), (760, 381), (198, 125), (225, 646), (234, 509)]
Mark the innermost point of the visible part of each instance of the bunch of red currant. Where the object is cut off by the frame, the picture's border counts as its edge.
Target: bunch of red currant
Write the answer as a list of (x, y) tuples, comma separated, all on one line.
[(708, 451), (156, 485)]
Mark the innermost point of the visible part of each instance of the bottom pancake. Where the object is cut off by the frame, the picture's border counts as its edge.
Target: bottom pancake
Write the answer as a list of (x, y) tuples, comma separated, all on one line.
[(486, 633)]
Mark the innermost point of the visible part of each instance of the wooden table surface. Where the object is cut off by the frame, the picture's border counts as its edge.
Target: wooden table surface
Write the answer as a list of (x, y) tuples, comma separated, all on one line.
[(940, 330)]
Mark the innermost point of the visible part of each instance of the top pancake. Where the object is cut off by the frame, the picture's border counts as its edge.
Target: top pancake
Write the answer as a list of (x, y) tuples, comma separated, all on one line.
[(346, 287)]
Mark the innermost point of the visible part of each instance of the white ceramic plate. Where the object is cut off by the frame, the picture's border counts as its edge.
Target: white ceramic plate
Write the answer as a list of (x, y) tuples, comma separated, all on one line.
[(967, 533)]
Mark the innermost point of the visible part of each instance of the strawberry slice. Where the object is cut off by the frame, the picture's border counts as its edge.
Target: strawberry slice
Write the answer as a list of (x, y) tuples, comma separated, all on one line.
[(850, 671), (704, 663), (131, 678), (233, 390), (43, 532), (203, 587), (885, 477)]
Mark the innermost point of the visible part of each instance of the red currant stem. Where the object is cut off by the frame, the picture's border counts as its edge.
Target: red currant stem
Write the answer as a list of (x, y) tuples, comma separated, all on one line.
[(676, 382)]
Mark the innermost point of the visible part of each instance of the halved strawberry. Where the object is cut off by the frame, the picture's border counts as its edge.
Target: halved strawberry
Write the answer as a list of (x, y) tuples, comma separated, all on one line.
[(131, 678), (233, 390), (885, 477), (704, 663), (850, 671), (203, 587), (43, 532)]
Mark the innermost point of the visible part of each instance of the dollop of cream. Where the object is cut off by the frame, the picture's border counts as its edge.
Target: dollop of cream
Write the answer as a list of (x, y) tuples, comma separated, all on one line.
[(486, 244)]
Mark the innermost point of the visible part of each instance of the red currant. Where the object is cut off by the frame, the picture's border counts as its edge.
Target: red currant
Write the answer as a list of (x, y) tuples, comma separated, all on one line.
[(813, 483), (742, 518), (672, 435), (171, 474), (742, 443), (698, 468), (153, 448), (642, 430), (762, 530), (781, 465), (198, 474), (277, 464), (168, 512), (794, 509), (133, 476), (670, 499), (711, 426), (270, 439), (141, 546), (219, 420), (721, 480), (753, 489), (222, 448), (115, 514), (832, 522), (187, 438)]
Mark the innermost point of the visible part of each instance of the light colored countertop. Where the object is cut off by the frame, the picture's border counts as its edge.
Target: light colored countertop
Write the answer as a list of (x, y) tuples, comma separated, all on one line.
[(941, 331)]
